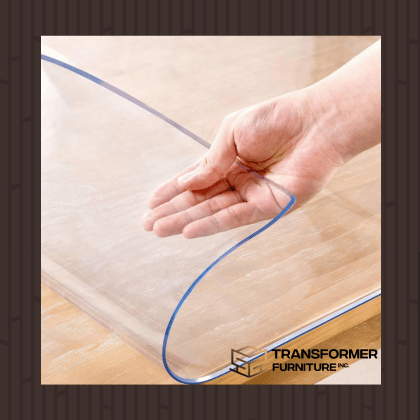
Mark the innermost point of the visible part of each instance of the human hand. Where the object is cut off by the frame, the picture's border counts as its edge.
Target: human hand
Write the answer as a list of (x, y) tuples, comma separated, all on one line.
[(297, 141), (274, 139)]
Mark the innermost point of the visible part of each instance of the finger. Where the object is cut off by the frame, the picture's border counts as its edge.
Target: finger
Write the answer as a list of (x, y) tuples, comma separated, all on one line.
[(216, 163), (174, 224), (182, 202), (169, 190), (268, 196), (230, 218)]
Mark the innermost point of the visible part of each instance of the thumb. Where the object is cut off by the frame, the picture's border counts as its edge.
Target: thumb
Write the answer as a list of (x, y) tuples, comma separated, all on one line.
[(216, 163)]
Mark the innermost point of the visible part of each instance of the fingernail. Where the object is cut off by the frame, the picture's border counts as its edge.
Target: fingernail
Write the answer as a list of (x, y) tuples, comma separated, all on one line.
[(146, 216), (146, 222)]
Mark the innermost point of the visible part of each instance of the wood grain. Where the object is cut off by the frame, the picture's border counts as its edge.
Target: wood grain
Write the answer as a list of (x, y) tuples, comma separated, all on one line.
[(76, 349), (359, 328)]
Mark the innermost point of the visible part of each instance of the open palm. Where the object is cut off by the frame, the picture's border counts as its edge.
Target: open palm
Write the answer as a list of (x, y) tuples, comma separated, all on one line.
[(279, 139)]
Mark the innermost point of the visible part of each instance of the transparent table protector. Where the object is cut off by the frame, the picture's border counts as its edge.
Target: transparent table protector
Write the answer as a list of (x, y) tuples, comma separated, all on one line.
[(184, 303)]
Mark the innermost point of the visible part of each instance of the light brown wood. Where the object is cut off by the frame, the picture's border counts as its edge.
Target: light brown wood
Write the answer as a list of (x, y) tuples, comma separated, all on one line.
[(77, 349), (359, 328)]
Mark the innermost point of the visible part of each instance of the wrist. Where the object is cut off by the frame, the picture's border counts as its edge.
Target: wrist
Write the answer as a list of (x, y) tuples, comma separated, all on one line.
[(326, 124), (345, 120)]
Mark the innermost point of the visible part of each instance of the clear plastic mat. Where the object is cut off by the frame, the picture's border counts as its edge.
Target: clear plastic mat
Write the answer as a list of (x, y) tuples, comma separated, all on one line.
[(183, 303)]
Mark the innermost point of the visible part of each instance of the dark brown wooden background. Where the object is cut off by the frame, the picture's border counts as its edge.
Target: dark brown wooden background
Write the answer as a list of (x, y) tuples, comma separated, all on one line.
[(21, 25)]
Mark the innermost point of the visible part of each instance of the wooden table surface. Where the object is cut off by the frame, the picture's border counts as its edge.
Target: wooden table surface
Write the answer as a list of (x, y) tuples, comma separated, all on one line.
[(75, 348)]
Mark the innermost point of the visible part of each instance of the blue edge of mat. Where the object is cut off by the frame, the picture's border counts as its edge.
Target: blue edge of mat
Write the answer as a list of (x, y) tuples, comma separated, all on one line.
[(278, 343)]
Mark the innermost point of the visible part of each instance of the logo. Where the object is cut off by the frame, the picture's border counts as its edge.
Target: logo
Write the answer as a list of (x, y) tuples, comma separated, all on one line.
[(248, 368)]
